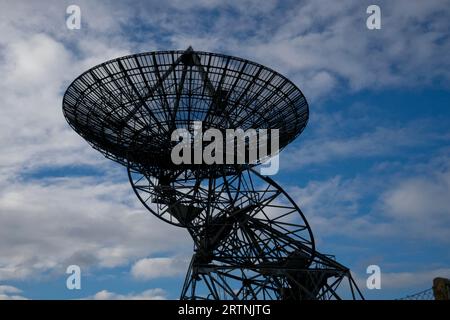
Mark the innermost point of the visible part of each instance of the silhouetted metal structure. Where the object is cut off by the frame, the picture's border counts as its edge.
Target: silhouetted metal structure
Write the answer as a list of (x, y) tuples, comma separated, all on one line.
[(421, 295), (251, 240)]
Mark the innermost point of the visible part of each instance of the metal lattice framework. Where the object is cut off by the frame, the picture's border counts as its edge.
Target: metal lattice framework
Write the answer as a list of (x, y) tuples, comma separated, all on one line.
[(127, 108), (288, 278), (251, 240), (422, 295)]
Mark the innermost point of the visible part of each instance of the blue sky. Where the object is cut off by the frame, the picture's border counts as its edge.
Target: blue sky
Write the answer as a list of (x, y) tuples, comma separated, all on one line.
[(371, 171)]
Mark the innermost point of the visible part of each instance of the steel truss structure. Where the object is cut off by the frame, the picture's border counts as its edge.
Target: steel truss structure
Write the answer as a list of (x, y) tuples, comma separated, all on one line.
[(251, 240)]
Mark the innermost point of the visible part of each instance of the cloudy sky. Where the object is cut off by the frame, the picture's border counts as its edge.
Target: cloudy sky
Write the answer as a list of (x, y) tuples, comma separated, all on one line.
[(371, 171)]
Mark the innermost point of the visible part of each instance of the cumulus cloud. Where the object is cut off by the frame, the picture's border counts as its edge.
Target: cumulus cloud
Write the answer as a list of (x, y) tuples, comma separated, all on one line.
[(407, 205), (403, 283), (426, 195), (338, 142), (324, 198), (151, 268), (422, 279), (48, 225), (10, 293), (324, 42), (420, 203), (150, 294), (333, 207)]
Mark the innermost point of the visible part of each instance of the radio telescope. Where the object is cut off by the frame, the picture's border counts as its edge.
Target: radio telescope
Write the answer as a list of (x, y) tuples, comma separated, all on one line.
[(251, 240)]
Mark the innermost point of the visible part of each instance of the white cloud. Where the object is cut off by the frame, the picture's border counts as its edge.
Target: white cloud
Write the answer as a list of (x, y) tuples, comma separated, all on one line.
[(412, 204), (412, 279), (325, 198), (152, 268), (332, 37), (420, 202), (408, 282), (48, 225), (426, 195), (151, 294), (10, 293), (330, 144), (334, 207), (33, 132), (329, 39)]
